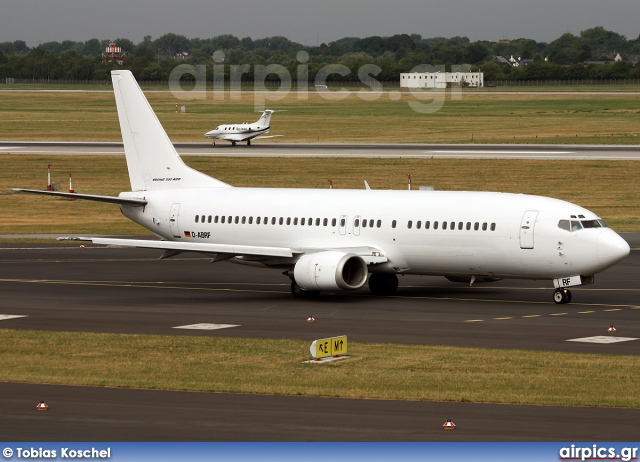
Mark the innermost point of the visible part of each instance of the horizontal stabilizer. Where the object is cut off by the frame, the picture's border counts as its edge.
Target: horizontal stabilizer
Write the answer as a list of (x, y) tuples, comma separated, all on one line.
[(88, 197)]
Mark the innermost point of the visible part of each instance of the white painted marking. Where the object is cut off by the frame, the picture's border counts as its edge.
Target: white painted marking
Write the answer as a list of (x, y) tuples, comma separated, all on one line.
[(601, 339), (499, 152), (10, 316), (205, 326), (9, 148), (325, 360)]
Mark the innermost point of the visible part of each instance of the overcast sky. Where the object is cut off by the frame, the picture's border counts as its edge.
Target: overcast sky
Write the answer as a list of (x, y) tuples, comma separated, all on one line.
[(311, 21)]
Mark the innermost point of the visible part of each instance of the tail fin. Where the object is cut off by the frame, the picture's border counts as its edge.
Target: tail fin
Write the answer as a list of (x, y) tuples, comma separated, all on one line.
[(265, 118), (152, 160)]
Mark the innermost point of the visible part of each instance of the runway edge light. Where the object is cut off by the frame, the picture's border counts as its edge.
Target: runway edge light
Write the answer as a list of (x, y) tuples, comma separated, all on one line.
[(449, 425), (42, 406)]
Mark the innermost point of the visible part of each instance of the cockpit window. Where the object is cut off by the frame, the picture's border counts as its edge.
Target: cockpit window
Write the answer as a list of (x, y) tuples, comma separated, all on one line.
[(576, 225), (591, 224)]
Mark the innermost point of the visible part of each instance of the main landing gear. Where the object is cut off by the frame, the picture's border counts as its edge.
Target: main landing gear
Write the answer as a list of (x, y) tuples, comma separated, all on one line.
[(248, 142), (383, 283), (562, 296)]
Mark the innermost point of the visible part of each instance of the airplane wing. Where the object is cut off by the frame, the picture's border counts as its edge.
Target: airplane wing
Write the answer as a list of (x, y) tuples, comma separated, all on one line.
[(269, 136), (174, 247), (89, 197)]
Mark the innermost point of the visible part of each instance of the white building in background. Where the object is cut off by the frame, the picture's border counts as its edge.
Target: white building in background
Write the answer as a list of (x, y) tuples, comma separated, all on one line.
[(441, 79)]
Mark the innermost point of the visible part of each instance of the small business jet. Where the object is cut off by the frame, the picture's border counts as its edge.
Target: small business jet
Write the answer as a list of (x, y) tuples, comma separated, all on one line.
[(244, 131), (338, 240)]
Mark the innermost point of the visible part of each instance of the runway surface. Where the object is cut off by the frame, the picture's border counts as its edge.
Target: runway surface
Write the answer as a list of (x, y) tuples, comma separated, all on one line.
[(95, 289), (266, 149)]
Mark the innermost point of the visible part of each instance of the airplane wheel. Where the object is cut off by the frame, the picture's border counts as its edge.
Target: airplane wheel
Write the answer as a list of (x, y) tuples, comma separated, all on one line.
[(561, 296), (383, 283), (299, 292), (248, 142), (233, 143)]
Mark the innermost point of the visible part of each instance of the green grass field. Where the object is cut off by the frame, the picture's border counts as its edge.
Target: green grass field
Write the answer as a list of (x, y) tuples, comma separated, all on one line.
[(609, 188), (374, 371), (469, 118)]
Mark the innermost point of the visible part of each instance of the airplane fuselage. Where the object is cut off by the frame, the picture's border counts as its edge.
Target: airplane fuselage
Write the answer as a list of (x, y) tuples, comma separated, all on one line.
[(419, 232)]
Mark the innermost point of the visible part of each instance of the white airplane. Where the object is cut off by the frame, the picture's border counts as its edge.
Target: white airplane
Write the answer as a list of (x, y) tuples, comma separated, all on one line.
[(244, 131), (337, 240)]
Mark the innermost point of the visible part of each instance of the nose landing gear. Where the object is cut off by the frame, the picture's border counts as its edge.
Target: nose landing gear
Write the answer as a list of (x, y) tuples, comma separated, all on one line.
[(562, 296)]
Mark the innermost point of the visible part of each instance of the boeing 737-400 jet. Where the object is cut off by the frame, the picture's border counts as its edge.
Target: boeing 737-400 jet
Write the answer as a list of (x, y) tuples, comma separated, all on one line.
[(337, 240), (244, 131)]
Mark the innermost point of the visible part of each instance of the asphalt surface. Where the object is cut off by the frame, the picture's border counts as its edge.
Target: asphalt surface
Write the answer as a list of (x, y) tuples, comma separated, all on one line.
[(269, 149), (93, 289)]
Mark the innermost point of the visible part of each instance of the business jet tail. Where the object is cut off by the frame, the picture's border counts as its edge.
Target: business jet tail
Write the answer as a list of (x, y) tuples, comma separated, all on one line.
[(265, 118), (152, 160)]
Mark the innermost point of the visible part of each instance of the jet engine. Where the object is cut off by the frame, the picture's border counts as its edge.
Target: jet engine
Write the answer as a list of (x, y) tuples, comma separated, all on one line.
[(330, 270)]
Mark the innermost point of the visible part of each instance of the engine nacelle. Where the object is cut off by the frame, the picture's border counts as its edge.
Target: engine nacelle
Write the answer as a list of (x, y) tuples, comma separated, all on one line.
[(330, 270)]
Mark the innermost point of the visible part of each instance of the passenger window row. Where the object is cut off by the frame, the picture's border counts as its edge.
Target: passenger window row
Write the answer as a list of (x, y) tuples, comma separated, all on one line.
[(264, 220), (451, 225)]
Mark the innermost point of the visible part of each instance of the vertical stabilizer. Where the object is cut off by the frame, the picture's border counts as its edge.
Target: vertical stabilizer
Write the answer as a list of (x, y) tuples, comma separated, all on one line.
[(265, 118), (152, 160)]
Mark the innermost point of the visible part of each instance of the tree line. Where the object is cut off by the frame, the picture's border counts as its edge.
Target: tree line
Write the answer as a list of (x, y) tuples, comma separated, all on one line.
[(564, 58)]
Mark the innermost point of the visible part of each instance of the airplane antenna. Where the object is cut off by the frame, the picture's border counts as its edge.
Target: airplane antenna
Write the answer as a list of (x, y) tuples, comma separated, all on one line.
[(330, 184), (409, 181)]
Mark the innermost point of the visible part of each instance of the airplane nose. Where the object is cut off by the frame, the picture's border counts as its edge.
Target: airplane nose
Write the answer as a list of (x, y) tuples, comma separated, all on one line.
[(611, 247), (210, 134)]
